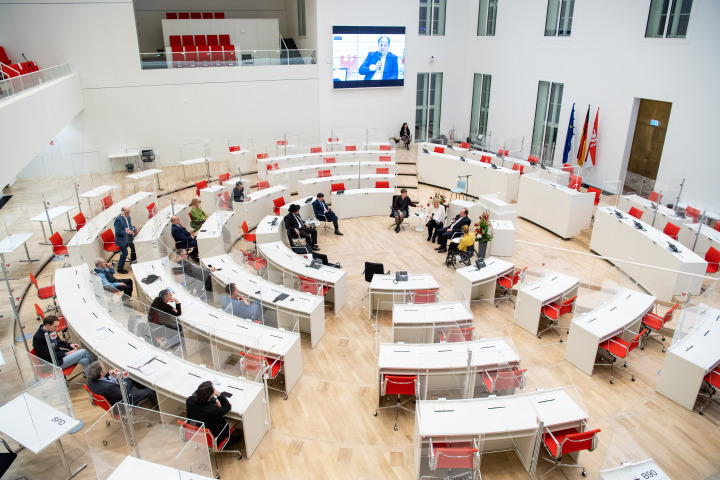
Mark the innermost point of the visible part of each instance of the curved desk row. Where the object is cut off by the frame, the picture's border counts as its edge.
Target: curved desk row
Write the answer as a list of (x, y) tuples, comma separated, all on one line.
[(154, 239), (300, 307), (533, 296), (214, 326), (260, 203), (291, 176), (218, 233), (423, 323), (385, 291), (296, 160), (709, 237), (474, 284), (211, 195), (657, 217), (363, 202), (312, 186), (173, 378)]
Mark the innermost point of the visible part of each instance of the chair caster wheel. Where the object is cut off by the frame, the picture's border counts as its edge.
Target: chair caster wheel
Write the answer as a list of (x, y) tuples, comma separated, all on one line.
[(561, 340), (612, 381), (663, 349), (625, 364), (395, 427), (105, 441), (217, 476), (286, 396), (584, 474), (239, 456), (375, 414), (633, 378), (701, 412), (539, 336)]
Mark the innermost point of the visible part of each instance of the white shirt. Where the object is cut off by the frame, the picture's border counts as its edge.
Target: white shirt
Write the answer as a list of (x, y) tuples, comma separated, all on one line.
[(438, 214), (379, 72)]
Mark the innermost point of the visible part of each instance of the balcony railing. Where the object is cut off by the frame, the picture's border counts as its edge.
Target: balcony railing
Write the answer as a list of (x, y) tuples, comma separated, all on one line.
[(238, 58), (15, 85)]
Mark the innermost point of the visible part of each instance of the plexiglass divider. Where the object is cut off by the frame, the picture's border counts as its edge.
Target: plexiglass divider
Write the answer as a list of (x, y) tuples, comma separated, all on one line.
[(241, 151)]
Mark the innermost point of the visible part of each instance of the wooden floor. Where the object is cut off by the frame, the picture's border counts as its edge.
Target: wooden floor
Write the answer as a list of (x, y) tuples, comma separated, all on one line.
[(326, 429)]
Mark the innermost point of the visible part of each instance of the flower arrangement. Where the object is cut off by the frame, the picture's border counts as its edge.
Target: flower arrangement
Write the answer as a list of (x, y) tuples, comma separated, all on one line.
[(483, 233), (441, 198)]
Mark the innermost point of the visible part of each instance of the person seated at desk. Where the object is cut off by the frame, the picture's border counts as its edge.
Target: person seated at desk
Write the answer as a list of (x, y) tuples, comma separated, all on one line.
[(197, 214), (237, 304), (124, 234), (437, 219), (323, 212), (209, 406), (102, 382), (466, 241), (297, 227), (446, 233), (400, 206), (183, 239), (193, 271), (107, 275), (162, 313), (66, 354), (238, 192)]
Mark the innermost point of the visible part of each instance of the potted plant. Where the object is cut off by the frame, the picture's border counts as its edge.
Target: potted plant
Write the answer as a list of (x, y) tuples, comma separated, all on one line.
[(483, 233), (440, 197)]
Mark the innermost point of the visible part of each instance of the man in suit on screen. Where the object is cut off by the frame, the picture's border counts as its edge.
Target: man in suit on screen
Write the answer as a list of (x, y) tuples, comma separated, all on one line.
[(380, 65)]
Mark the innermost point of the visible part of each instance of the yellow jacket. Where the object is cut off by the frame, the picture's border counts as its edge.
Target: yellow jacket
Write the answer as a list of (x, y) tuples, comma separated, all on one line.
[(466, 241)]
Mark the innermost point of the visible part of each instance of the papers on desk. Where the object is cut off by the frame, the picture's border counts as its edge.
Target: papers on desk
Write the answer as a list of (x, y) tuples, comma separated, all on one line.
[(103, 332), (142, 363)]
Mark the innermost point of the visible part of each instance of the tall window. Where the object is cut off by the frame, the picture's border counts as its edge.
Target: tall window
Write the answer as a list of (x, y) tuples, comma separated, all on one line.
[(547, 117), (558, 21), (432, 17), (427, 109), (668, 21), (302, 29), (487, 16), (480, 106)]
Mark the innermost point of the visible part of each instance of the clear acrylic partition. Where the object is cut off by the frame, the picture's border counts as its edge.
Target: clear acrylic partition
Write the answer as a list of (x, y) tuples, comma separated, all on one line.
[(443, 370), (612, 191), (21, 83), (285, 144), (377, 136), (699, 310), (248, 58), (126, 436), (450, 457), (193, 151), (335, 140), (241, 153), (638, 448), (61, 205)]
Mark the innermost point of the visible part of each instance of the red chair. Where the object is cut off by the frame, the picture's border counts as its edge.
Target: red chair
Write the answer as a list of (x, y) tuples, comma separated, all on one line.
[(518, 167), (152, 211), (533, 159), (282, 143), (178, 57), (57, 243), (382, 184), (568, 168), (671, 230), (350, 148), (504, 380), (503, 153), (79, 221), (213, 40), (230, 57), (324, 173), (45, 292), (462, 334), (464, 145), (108, 239), (199, 186), (263, 367), (429, 295), (200, 40), (40, 367), (271, 166), (711, 384), (507, 283), (596, 192), (224, 200), (464, 456), (203, 55), (107, 202), (653, 323), (263, 184), (569, 440), (188, 40), (382, 171), (219, 15), (195, 15), (385, 158), (224, 177), (207, 15), (315, 149), (278, 202), (184, 15), (693, 213), (62, 327), (234, 148), (486, 159), (257, 263), (717, 226), (249, 237), (171, 15), (224, 39), (333, 140), (655, 197), (553, 311), (712, 256), (329, 160), (385, 148), (617, 348), (262, 156), (175, 41), (309, 285), (191, 56), (334, 187), (635, 212), (98, 401), (439, 150), (203, 436), (575, 182), (399, 385)]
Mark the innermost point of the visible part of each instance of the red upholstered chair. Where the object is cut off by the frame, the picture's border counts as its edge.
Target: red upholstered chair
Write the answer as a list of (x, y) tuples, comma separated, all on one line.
[(575, 182), (398, 385), (711, 382), (45, 292), (324, 173), (219, 15), (385, 158), (207, 15), (518, 167), (350, 148), (199, 40), (195, 15), (263, 184), (533, 159), (596, 192), (40, 367), (655, 197), (212, 40), (569, 440), (312, 286), (203, 55), (224, 39), (272, 166), (57, 243), (671, 230), (282, 143), (249, 237), (12, 71), (486, 159), (635, 212), (191, 56), (503, 153), (224, 177), (507, 283), (429, 295), (188, 40), (234, 148), (178, 57), (262, 156), (204, 436), (315, 149), (258, 263), (653, 323), (712, 256), (617, 348), (230, 57), (439, 150), (717, 226), (107, 202), (152, 210), (184, 15), (461, 334), (553, 311), (385, 148), (264, 366), (458, 456), (79, 221), (98, 400), (329, 160), (464, 145), (382, 184), (199, 186), (381, 171), (108, 239), (333, 140), (175, 41), (62, 326), (506, 380), (278, 202), (171, 15), (334, 187), (693, 213)]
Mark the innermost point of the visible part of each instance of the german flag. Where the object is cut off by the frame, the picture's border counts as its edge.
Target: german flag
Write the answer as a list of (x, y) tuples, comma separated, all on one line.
[(582, 151)]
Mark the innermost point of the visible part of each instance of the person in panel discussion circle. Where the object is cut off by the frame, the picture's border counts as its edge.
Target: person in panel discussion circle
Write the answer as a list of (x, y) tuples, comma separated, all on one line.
[(380, 65)]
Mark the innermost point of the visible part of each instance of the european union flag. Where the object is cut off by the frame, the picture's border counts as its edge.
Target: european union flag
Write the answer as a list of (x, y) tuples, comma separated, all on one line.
[(568, 137)]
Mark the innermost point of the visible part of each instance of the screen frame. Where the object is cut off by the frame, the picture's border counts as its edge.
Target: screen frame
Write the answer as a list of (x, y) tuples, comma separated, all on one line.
[(366, 30)]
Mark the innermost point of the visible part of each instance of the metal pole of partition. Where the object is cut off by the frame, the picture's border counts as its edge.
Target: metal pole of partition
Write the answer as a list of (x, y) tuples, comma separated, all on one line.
[(207, 168), (47, 216), (701, 220), (128, 418), (21, 335), (367, 134), (77, 196), (656, 208), (172, 205), (677, 200)]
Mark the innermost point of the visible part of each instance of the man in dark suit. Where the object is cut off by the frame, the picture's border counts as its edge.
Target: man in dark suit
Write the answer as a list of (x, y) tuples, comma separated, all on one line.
[(66, 354), (183, 239), (297, 227), (323, 212), (124, 234), (455, 227), (380, 65), (102, 382), (162, 313), (209, 406)]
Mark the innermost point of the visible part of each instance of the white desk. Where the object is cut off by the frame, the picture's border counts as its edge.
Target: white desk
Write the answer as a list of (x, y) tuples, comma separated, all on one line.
[(214, 326), (496, 208), (664, 214), (623, 312), (635, 471), (96, 192), (246, 163), (534, 295), (218, 233), (311, 186), (147, 173), (306, 208), (503, 242), (172, 378), (303, 308), (154, 240), (133, 153), (285, 267), (422, 323), (266, 232), (471, 283), (195, 161), (385, 292), (709, 237), (291, 176), (619, 239), (138, 469), (363, 202), (52, 214), (688, 360), (285, 161), (259, 205), (508, 422), (562, 210), (211, 194), (13, 242)]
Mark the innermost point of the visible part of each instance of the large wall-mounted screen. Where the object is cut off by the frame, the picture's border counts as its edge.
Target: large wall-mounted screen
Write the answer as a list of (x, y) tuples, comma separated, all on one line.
[(368, 57)]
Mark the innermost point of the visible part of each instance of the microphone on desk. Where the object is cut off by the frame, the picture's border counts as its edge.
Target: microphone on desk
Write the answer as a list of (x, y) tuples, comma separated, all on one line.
[(23, 55)]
